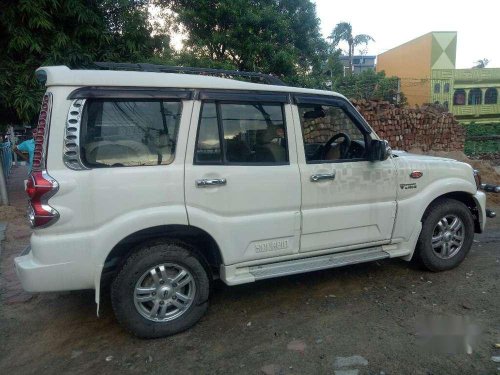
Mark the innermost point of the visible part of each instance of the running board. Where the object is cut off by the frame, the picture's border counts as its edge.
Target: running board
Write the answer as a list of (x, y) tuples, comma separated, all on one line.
[(291, 267)]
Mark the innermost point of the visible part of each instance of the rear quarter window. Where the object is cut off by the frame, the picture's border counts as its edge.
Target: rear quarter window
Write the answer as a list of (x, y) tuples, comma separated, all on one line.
[(128, 133)]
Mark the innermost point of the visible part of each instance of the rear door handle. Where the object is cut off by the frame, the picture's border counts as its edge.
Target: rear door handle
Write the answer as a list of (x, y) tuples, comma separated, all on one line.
[(322, 177), (207, 182)]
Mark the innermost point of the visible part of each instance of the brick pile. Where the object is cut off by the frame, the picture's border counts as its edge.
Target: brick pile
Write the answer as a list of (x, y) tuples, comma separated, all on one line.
[(427, 127)]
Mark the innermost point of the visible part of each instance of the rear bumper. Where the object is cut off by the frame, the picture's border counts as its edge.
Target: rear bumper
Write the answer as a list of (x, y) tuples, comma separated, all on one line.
[(38, 277)]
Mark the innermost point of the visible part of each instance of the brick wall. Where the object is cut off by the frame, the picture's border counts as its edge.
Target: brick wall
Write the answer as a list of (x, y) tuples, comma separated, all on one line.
[(426, 127)]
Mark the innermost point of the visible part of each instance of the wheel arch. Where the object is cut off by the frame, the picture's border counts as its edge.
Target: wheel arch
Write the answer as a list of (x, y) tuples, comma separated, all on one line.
[(203, 243), (463, 197)]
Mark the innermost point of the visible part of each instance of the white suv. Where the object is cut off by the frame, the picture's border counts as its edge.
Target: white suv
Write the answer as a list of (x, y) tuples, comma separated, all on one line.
[(158, 183)]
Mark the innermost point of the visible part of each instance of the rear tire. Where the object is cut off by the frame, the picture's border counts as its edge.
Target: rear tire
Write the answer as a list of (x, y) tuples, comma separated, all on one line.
[(446, 236), (162, 289)]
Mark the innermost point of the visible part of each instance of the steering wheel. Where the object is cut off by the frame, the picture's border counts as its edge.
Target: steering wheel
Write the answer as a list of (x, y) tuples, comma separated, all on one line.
[(344, 146)]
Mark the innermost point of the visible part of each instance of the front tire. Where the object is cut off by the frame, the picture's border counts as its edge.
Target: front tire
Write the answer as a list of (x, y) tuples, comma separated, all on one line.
[(162, 289), (446, 237)]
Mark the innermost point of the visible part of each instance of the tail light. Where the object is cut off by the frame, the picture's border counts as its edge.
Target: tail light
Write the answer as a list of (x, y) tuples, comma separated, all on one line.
[(40, 186)]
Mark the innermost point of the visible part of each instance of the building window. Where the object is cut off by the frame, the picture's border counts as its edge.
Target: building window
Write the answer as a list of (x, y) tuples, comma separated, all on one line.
[(459, 97), (437, 88), (491, 96), (446, 88), (475, 97), (445, 104)]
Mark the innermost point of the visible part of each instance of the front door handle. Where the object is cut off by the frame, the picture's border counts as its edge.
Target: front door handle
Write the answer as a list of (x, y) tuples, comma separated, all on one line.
[(207, 182), (322, 177)]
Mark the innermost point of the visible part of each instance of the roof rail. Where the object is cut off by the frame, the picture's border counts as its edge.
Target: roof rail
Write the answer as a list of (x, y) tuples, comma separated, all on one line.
[(261, 77)]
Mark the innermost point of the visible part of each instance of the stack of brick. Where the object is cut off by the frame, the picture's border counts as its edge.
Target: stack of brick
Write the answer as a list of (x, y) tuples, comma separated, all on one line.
[(427, 127)]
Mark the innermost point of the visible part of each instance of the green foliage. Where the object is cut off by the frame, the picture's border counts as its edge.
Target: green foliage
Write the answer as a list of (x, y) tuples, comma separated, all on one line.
[(482, 138), (70, 32), (277, 37), (369, 85), (474, 129), (128, 32)]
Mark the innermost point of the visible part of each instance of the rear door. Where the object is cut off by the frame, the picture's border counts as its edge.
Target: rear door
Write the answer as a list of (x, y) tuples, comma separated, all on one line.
[(242, 179)]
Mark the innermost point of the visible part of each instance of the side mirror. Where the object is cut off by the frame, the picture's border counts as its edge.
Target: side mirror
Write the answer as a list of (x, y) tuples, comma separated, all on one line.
[(379, 150)]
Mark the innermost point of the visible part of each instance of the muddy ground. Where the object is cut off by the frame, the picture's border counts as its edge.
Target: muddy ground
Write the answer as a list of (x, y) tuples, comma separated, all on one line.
[(358, 319)]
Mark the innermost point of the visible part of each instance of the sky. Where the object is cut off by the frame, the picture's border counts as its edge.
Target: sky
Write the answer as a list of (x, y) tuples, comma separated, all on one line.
[(392, 23)]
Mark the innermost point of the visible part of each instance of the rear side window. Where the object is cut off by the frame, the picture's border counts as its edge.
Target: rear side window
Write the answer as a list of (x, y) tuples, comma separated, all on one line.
[(127, 133), (241, 133)]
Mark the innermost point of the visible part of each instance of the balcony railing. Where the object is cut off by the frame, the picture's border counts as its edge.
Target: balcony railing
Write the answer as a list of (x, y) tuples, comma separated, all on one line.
[(476, 110)]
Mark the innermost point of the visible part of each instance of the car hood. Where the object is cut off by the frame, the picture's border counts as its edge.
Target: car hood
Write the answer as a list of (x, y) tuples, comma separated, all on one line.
[(417, 157)]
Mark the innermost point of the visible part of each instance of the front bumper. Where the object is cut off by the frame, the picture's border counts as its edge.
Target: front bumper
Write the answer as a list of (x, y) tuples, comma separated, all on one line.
[(480, 199), (38, 277)]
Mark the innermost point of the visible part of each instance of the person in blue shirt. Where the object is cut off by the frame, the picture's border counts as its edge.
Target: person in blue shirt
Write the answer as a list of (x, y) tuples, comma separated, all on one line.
[(29, 147)]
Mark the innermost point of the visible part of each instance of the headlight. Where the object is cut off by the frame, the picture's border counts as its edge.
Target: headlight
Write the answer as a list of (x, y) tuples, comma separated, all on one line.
[(477, 178)]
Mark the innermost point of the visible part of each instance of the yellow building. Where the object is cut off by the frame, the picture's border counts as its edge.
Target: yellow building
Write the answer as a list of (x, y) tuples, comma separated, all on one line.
[(414, 61), (426, 69)]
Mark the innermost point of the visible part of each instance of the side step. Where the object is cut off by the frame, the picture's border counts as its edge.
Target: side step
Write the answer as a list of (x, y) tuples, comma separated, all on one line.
[(291, 267)]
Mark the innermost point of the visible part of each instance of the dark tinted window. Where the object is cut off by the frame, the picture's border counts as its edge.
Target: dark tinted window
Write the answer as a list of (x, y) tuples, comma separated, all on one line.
[(208, 147), (252, 133), (118, 133)]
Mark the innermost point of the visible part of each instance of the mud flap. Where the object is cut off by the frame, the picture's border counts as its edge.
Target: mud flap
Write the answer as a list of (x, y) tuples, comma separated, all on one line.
[(97, 286)]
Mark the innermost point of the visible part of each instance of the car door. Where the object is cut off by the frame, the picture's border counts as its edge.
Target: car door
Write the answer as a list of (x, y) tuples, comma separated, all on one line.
[(242, 178), (347, 201)]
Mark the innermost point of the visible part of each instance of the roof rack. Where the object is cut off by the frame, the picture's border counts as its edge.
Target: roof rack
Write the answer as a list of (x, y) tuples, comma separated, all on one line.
[(261, 77)]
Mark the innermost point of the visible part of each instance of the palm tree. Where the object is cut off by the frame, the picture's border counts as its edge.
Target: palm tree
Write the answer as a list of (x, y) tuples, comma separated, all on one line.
[(481, 64), (343, 32)]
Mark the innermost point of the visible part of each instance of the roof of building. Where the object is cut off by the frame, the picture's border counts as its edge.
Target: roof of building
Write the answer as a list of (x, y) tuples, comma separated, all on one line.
[(415, 39), (63, 76)]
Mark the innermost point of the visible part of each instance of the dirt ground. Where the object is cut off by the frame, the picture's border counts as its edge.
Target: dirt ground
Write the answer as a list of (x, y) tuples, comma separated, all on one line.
[(361, 319)]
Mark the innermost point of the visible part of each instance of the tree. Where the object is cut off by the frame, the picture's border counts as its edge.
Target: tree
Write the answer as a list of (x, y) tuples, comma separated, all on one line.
[(277, 37), (130, 32), (343, 32), (71, 32), (333, 69), (370, 85), (38, 32), (480, 64)]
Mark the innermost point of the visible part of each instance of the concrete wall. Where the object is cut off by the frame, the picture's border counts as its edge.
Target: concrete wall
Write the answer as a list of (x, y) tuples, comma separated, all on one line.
[(411, 62)]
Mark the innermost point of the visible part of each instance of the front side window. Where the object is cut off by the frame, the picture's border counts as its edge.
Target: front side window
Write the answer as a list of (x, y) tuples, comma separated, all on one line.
[(250, 133), (127, 133), (330, 134)]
